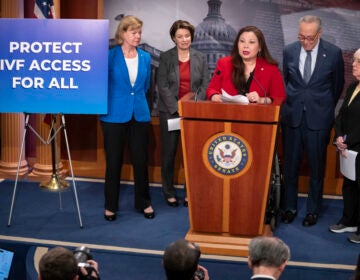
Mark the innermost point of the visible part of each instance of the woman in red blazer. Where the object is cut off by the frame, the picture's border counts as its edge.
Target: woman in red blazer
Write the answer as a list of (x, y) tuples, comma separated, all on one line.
[(250, 70)]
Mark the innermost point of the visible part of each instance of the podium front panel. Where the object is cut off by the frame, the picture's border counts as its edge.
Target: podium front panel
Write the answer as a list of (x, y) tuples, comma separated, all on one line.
[(227, 168)]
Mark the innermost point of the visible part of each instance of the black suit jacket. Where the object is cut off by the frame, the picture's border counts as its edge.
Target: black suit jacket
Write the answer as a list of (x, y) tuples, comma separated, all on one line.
[(347, 121), (321, 94)]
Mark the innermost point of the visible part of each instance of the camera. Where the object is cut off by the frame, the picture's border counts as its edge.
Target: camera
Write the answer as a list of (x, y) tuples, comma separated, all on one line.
[(199, 273), (82, 254)]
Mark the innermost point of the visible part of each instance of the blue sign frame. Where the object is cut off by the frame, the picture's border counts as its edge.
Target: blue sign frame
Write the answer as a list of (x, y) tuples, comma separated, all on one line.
[(57, 66)]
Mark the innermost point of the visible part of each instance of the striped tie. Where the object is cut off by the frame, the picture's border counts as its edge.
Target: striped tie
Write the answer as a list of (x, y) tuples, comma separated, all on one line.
[(307, 67)]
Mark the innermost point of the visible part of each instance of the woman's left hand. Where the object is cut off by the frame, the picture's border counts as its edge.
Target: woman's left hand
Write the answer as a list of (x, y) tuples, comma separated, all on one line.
[(253, 97), (340, 143)]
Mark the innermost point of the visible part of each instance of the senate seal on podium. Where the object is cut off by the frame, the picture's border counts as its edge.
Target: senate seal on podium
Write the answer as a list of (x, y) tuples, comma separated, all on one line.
[(227, 154)]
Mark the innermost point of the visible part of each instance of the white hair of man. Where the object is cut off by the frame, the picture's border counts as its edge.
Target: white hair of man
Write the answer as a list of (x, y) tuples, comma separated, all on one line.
[(268, 251)]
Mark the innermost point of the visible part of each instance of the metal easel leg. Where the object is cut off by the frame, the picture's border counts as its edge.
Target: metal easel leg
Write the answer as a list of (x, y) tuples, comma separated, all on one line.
[(18, 169), (71, 170)]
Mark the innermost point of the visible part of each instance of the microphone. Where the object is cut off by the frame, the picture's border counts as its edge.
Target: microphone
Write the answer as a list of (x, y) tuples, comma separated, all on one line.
[(260, 86), (196, 94)]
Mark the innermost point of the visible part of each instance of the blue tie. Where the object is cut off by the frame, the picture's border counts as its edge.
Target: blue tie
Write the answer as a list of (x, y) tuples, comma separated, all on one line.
[(307, 67)]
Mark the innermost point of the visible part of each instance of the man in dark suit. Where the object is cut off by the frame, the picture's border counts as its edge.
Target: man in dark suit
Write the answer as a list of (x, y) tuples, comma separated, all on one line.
[(268, 257), (314, 79)]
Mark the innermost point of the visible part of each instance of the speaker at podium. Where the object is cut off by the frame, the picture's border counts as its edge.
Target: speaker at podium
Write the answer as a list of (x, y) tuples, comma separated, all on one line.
[(228, 152)]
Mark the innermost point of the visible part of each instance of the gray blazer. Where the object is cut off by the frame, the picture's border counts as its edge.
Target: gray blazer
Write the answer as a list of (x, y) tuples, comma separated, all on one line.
[(168, 78)]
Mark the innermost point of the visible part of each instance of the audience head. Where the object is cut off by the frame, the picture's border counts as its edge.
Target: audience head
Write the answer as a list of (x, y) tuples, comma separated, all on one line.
[(268, 254), (58, 264), (181, 260), (127, 23)]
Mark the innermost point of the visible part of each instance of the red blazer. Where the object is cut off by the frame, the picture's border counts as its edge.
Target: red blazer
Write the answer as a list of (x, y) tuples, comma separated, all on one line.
[(267, 78)]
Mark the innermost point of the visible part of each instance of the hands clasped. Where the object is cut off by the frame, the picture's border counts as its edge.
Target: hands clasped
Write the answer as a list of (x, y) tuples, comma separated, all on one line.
[(341, 146)]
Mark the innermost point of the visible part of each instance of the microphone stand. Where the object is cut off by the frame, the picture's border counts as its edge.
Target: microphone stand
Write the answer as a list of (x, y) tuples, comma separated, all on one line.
[(196, 94), (260, 86)]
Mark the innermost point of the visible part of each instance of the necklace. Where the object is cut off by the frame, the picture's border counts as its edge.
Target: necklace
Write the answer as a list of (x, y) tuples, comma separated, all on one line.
[(184, 57)]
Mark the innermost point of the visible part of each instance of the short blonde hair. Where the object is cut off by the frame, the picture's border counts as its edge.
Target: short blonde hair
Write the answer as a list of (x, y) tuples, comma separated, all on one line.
[(126, 23)]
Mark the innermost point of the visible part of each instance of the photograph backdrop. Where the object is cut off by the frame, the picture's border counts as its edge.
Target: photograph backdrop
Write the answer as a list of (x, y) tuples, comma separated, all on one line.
[(217, 23)]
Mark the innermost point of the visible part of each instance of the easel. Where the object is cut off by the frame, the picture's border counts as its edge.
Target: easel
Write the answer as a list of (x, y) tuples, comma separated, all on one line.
[(54, 179)]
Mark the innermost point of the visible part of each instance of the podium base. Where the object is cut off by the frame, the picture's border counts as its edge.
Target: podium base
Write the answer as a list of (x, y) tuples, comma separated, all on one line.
[(55, 184), (222, 244)]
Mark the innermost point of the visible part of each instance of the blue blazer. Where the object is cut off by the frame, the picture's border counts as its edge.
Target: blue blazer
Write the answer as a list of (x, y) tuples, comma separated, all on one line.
[(125, 100), (320, 95)]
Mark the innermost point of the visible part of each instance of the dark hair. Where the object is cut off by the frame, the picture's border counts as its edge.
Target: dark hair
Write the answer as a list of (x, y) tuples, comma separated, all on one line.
[(238, 77), (181, 24), (58, 264), (181, 259)]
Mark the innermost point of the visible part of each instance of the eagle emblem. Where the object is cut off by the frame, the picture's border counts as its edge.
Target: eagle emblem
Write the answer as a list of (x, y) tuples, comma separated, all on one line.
[(226, 157)]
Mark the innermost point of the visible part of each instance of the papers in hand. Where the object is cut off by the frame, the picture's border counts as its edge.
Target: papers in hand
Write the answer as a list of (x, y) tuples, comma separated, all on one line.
[(347, 165), (173, 124), (241, 99)]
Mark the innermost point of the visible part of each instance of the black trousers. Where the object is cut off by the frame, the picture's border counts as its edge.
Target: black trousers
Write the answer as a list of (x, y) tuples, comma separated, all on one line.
[(116, 135), (351, 200), (169, 144)]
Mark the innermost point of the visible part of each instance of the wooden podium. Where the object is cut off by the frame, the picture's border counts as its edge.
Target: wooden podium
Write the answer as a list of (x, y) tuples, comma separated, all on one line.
[(228, 152)]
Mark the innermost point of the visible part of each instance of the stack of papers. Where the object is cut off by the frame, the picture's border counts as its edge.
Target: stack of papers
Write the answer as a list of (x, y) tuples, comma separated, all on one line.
[(347, 165), (241, 99)]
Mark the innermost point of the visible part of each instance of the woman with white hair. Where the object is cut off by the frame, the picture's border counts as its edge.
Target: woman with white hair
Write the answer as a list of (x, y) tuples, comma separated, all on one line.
[(347, 137)]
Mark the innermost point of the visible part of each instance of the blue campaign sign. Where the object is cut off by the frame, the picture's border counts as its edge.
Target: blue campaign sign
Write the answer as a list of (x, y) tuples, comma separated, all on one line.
[(54, 66)]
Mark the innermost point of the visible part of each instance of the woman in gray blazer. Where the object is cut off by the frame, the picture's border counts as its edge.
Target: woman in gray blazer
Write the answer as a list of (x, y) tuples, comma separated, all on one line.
[(182, 69)]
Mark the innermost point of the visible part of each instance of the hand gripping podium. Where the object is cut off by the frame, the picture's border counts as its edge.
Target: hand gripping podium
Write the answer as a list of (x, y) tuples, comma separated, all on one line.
[(228, 152)]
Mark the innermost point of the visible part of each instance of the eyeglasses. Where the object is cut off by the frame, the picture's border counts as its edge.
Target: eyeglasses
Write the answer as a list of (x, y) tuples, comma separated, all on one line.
[(302, 38)]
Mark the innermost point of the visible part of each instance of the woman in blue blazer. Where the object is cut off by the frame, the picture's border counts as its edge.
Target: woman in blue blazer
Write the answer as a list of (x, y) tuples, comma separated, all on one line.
[(128, 117), (181, 70)]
